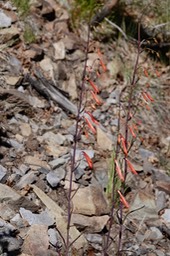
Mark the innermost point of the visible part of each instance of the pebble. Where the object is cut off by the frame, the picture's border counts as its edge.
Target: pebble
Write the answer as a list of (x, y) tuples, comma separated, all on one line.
[(41, 218), (57, 162), (3, 172), (5, 21), (54, 177)]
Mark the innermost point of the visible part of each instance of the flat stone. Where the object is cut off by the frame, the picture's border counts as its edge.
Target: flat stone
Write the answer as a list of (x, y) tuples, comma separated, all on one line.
[(35, 163), (104, 140), (90, 201), (71, 87), (32, 218), (27, 179), (54, 177), (59, 50), (53, 236), (7, 193), (12, 80), (6, 212), (52, 138), (57, 162), (153, 234), (25, 129), (8, 34), (145, 200), (3, 172), (166, 215), (5, 21), (36, 241), (94, 224), (47, 65)]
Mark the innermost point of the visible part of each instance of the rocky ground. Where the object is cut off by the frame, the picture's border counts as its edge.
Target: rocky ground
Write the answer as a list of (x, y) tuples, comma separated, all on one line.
[(41, 70)]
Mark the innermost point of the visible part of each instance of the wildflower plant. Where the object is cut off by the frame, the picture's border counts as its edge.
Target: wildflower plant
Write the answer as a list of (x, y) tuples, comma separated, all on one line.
[(85, 123), (132, 100)]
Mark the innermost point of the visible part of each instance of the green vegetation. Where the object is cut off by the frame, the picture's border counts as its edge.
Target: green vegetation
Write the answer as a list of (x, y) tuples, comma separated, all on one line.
[(23, 6), (29, 36), (83, 10)]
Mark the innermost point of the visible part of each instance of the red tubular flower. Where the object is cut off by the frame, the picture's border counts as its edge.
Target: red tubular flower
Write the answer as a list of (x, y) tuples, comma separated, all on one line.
[(88, 159), (92, 128), (92, 118), (119, 172), (124, 145), (132, 169), (97, 100), (145, 96), (146, 73), (149, 96), (123, 200), (94, 86), (132, 132), (101, 62), (157, 73)]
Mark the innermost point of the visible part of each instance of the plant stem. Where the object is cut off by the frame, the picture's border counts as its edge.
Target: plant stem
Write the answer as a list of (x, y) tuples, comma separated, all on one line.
[(76, 138), (132, 85)]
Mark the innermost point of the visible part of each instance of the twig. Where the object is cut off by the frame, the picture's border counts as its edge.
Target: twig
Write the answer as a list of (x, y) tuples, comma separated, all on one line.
[(117, 27)]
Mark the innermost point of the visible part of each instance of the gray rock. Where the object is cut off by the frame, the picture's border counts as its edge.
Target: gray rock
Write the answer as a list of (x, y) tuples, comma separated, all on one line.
[(6, 212), (53, 236), (93, 224), (166, 216), (54, 177), (90, 201), (160, 200), (36, 239), (59, 50), (52, 138), (25, 129), (28, 178), (57, 162), (41, 218), (95, 240), (5, 21), (23, 168), (7, 193), (16, 144), (3, 172), (153, 234), (145, 154), (7, 237), (160, 253)]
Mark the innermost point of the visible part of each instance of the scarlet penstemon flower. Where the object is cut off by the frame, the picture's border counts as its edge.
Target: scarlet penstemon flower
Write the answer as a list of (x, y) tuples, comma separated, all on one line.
[(92, 118), (132, 169), (157, 73), (92, 128), (101, 61), (119, 172), (94, 86), (132, 131), (97, 100), (123, 200), (146, 73), (88, 159), (149, 96), (145, 96), (123, 143)]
